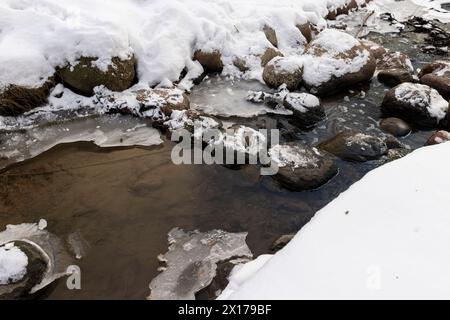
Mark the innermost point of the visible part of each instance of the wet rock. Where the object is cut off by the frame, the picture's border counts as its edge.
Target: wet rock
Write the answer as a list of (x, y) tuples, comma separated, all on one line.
[(85, 75), (268, 55), (283, 70), (437, 40), (281, 242), (395, 68), (271, 35), (395, 126), (437, 76), (210, 61), (355, 146), (301, 167), (15, 100), (47, 258), (375, 49), (192, 262), (344, 9), (307, 109), (335, 60), (395, 154), (393, 143), (438, 137), (418, 104)]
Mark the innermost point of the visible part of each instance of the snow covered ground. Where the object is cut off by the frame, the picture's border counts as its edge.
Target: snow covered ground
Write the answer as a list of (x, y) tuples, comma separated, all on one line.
[(385, 238)]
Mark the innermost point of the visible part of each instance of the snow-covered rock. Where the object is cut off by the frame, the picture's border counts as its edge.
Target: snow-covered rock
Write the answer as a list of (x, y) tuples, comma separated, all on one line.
[(384, 238), (335, 60), (355, 146), (13, 264), (438, 137), (284, 71), (307, 109), (301, 167), (416, 103), (437, 76), (394, 68)]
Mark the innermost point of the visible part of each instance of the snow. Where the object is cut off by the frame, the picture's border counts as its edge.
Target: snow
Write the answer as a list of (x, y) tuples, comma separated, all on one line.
[(287, 64), (294, 156), (39, 35), (13, 264), (318, 69), (423, 96), (384, 238), (302, 102)]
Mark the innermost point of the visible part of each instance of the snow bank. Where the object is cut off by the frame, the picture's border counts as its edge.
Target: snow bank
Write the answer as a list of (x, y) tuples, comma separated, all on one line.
[(38, 35), (385, 238)]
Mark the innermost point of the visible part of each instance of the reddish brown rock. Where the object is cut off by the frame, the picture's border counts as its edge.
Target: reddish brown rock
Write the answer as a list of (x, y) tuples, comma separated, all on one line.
[(438, 137)]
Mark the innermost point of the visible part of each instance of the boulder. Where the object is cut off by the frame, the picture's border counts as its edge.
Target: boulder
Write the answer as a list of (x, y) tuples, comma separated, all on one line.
[(307, 109), (271, 35), (395, 126), (438, 137), (375, 49), (355, 146), (15, 100), (418, 104), (301, 167), (395, 154), (306, 30), (437, 76), (283, 70), (268, 55), (85, 75), (395, 68), (210, 61), (335, 60)]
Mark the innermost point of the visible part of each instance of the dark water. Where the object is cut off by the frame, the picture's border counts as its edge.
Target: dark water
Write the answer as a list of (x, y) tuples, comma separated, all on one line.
[(123, 201)]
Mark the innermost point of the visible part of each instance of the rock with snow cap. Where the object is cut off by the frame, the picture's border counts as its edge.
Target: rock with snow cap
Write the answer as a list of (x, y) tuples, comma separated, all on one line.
[(301, 167), (438, 137), (335, 60), (284, 70), (85, 75), (418, 104), (437, 76), (307, 109), (395, 68), (355, 146)]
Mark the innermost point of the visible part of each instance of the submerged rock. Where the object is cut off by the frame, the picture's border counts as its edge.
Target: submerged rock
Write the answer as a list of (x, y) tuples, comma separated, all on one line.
[(46, 259), (307, 109), (355, 146), (418, 104), (395, 68), (192, 262), (335, 60), (301, 167), (395, 126), (210, 61), (438, 137), (15, 100), (283, 70), (437, 76), (85, 75)]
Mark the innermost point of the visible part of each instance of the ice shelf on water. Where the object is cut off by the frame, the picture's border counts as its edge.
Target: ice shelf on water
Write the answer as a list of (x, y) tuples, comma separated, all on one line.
[(219, 96), (192, 261), (104, 131)]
